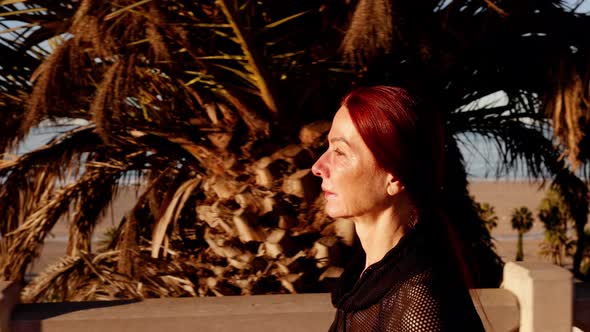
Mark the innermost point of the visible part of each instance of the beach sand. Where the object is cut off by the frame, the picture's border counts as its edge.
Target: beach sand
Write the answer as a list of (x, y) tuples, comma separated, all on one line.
[(503, 195)]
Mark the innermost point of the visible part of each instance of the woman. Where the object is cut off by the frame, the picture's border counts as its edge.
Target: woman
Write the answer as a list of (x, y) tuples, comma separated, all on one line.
[(380, 170)]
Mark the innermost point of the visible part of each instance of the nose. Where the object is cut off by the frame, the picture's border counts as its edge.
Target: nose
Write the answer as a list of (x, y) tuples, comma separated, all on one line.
[(319, 168)]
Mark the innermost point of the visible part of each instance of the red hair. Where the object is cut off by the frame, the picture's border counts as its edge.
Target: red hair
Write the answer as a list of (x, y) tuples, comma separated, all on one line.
[(388, 120), (409, 145)]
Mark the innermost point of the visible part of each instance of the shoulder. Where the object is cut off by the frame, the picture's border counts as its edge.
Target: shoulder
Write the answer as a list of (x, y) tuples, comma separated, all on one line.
[(427, 302), (415, 305), (417, 288)]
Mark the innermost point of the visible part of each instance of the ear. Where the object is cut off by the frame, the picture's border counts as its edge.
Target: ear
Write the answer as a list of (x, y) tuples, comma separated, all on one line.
[(394, 186)]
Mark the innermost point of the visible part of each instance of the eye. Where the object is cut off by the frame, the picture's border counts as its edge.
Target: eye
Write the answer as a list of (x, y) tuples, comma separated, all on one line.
[(339, 152)]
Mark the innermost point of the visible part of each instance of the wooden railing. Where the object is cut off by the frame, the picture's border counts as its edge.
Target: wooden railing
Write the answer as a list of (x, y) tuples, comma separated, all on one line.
[(533, 297)]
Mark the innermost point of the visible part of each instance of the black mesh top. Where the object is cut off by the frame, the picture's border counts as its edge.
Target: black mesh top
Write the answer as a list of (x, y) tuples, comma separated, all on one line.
[(411, 289)]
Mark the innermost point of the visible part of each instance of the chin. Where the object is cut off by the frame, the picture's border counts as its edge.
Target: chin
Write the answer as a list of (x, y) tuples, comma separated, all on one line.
[(331, 213), (334, 212)]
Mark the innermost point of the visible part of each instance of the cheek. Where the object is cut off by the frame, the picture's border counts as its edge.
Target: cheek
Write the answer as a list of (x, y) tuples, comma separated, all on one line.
[(340, 168), (370, 184), (364, 186)]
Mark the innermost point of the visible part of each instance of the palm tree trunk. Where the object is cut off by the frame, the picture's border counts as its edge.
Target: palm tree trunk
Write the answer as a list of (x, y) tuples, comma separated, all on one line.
[(580, 244), (519, 250)]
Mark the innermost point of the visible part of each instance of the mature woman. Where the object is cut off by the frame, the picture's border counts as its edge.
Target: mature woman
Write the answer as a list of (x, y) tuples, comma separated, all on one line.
[(380, 170)]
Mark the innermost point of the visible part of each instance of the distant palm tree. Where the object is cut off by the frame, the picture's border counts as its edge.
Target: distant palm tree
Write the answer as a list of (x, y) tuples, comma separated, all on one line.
[(522, 222), (573, 197), (556, 217), (487, 214)]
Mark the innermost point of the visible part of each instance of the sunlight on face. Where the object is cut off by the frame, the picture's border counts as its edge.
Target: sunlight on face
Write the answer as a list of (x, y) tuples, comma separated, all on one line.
[(353, 183)]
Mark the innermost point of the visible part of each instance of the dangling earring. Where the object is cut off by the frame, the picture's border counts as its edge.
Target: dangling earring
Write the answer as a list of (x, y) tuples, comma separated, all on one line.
[(413, 217)]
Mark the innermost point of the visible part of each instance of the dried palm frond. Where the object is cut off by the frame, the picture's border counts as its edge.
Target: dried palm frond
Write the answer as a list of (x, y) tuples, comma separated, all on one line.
[(253, 120), (111, 96), (172, 213), (80, 278), (46, 87), (126, 243), (30, 179), (125, 238), (11, 115), (89, 277), (370, 31), (53, 281), (254, 63), (155, 36), (88, 210), (3, 252), (207, 157), (569, 106), (24, 242)]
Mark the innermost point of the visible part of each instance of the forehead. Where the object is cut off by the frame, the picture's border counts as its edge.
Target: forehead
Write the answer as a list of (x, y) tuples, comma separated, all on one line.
[(343, 129), (342, 126)]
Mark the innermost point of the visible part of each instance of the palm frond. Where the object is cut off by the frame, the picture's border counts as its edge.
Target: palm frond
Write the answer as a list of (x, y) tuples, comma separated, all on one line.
[(569, 106), (51, 86), (125, 239), (536, 154), (88, 211), (371, 31), (111, 97), (30, 179), (90, 277), (84, 277), (254, 63), (204, 155), (11, 115), (172, 213), (52, 282), (253, 120), (24, 242)]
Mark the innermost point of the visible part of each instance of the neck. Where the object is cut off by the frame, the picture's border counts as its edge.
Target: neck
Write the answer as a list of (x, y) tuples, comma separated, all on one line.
[(379, 234)]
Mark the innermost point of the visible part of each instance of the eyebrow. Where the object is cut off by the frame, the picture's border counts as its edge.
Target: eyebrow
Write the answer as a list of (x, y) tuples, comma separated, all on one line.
[(339, 139)]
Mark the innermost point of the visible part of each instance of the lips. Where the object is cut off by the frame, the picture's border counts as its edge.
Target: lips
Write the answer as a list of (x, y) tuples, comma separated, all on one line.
[(328, 194)]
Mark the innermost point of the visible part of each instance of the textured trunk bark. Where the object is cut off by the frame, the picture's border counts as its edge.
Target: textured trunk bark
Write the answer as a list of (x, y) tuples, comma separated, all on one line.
[(519, 250)]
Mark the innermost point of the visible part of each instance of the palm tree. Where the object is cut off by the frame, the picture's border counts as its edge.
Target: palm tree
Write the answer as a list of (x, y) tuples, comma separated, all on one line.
[(574, 197), (182, 96), (555, 215), (487, 214), (190, 96), (554, 220), (522, 222), (454, 48)]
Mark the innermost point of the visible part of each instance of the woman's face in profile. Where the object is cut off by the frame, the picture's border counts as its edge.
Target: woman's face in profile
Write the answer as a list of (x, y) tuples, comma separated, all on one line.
[(353, 183)]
